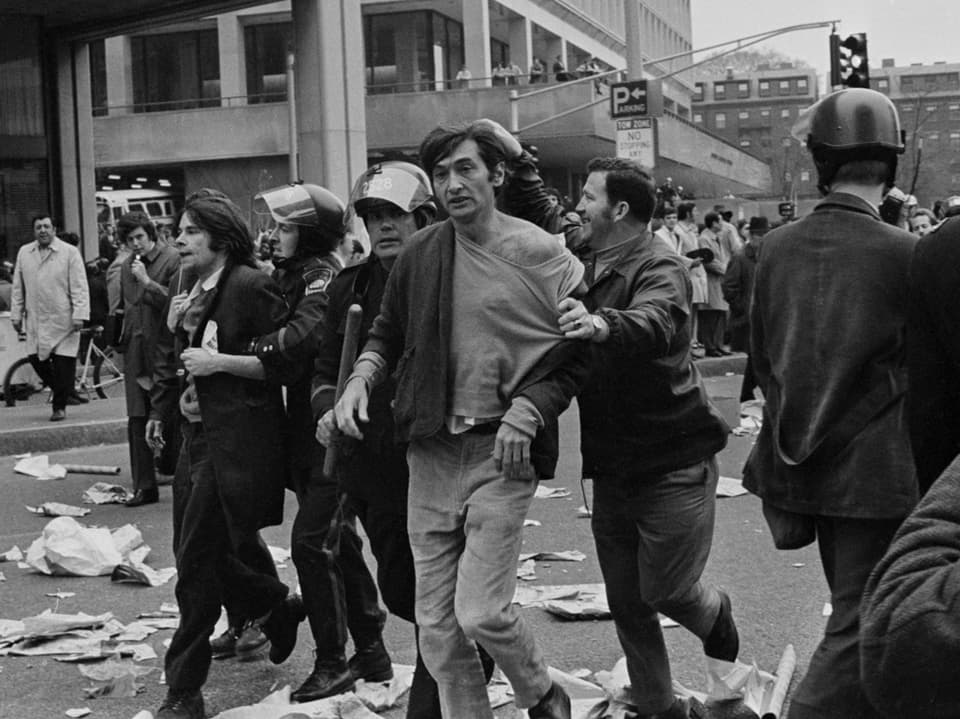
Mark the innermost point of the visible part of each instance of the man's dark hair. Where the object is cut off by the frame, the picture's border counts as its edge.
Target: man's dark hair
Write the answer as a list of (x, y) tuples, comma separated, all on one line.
[(685, 210), (726, 215), (626, 181), (443, 140), (71, 238), (133, 221), (222, 220), (43, 216), (710, 218)]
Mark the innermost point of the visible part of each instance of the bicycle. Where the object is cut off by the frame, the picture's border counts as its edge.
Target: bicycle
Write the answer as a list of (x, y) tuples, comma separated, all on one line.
[(101, 372)]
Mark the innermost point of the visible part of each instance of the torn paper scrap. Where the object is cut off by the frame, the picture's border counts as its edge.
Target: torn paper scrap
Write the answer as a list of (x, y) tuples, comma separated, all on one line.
[(583, 512), (67, 547), (827, 609), (535, 596), (730, 487), (40, 468), (12, 555), (49, 624), (135, 571), (531, 523), (579, 608), (527, 571), (61, 595), (78, 712), (278, 706), (551, 492), (570, 555), (380, 696), (280, 554), (105, 493), (57, 509)]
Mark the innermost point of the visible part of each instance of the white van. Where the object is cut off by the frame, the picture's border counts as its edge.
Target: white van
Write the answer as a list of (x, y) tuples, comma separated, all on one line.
[(159, 205)]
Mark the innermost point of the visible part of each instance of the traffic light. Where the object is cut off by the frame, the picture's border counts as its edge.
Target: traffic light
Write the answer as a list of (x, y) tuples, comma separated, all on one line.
[(849, 65)]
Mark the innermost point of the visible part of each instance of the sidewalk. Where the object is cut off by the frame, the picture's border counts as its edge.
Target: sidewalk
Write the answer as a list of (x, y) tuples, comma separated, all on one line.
[(27, 426)]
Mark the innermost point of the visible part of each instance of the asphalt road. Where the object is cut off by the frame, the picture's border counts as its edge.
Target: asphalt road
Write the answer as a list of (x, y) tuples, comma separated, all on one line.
[(778, 597)]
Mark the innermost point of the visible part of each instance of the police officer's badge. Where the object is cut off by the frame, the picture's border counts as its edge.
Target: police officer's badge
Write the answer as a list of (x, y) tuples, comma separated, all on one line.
[(316, 280)]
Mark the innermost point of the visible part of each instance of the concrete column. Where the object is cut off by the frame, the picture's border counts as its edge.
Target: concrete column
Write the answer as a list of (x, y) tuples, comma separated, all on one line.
[(74, 111), (476, 39), (556, 46), (233, 69), (521, 42), (330, 92), (119, 74)]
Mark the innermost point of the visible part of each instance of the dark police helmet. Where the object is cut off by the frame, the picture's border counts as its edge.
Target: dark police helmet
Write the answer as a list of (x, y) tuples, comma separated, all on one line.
[(854, 124), (307, 206), (401, 184)]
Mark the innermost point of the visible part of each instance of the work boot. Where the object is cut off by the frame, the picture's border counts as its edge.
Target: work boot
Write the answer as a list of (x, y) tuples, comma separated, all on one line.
[(182, 705), (58, 415), (724, 640), (555, 704), (224, 646), (330, 676), (371, 663), (281, 627), (250, 640)]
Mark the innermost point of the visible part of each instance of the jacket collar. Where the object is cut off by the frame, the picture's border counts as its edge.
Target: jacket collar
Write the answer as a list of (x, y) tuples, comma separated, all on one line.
[(631, 249), (846, 201), (55, 245)]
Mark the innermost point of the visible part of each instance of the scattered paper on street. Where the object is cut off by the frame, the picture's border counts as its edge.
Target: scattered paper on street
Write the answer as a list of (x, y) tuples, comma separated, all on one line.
[(57, 509), (579, 608), (61, 595), (551, 492), (827, 609), (535, 596), (135, 571), (116, 678), (531, 523), (280, 555), (583, 512), (106, 493), (78, 713), (751, 418), (39, 467), (527, 571), (730, 487), (570, 555), (360, 704)]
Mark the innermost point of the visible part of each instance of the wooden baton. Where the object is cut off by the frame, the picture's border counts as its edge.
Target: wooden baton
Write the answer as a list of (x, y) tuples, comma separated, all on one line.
[(348, 355)]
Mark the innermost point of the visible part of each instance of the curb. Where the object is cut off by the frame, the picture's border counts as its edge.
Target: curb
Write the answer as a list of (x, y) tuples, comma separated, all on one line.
[(66, 436)]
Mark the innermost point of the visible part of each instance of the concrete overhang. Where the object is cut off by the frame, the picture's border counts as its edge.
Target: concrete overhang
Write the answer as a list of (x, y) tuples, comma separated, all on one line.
[(94, 19)]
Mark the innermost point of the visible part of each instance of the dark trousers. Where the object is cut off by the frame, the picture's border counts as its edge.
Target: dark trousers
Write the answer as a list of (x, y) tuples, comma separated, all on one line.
[(213, 560), (653, 539), (749, 382), (849, 550), (383, 512), (338, 591), (710, 328), (58, 373), (142, 470)]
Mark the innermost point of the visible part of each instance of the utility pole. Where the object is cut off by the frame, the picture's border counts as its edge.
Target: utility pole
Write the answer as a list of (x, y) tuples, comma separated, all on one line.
[(293, 160), (631, 17)]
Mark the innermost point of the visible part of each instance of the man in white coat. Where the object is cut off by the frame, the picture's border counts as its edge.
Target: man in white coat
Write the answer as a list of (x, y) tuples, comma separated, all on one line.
[(51, 300)]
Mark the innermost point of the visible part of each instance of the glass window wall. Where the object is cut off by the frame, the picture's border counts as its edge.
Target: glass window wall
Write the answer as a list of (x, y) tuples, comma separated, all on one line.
[(176, 71)]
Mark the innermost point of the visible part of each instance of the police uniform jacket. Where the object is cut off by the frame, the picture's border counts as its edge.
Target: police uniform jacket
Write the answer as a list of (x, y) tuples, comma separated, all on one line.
[(241, 418), (288, 353), (828, 325)]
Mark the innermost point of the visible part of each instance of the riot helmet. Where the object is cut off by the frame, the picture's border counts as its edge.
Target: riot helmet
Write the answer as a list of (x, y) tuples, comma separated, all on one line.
[(400, 184), (854, 124), (318, 214)]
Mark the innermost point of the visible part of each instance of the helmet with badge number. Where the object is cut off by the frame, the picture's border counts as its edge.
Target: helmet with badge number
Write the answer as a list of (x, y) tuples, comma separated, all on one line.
[(318, 214), (400, 184), (854, 124)]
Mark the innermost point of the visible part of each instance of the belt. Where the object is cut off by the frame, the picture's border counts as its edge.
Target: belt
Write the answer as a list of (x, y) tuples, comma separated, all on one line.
[(484, 428)]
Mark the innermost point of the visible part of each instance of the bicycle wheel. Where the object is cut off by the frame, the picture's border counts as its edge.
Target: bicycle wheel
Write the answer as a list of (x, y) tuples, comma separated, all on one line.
[(20, 382), (108, 375)]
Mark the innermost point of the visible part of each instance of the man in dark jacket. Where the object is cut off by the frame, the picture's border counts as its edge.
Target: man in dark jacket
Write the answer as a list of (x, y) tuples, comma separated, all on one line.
[(828, 322), (649, 435), (464, 323), (737, 290)]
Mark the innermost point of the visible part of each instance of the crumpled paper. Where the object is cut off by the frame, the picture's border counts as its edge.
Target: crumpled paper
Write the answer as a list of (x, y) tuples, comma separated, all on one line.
[(67, 547), (105, 493), (57, 509), (570, 555), (730, 487), (542, 492), (117, 678), (751, 418), (39, 467)]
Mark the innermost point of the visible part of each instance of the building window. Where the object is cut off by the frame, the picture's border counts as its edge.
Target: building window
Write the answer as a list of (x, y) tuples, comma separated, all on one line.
[(743, 89), (931, 109), (698, 92), (745, 142), (765, 114), (883, 84), (804, 175), (98, 77), (933, 136), (764, 88), (784, 113), (954, 111), (955, 141), (448, 34), (720, 120), (907, 107), (400, 51), (176, 71), (266, 59), (719, 91), (743, 115), (784, 86), (802, 86), (698, 118)]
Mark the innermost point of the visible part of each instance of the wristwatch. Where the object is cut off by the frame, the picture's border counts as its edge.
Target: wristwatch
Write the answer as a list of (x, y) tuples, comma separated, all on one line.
[(600, 328)]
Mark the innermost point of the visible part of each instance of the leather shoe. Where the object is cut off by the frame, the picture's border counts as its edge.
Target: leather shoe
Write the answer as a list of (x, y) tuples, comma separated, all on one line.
[(281, 627), (371, 663), (58, 415), (182, 705), (724, 640), (555, 704), (328, 678), (143, 496), (76, 398), (250, 641), (224, 646)]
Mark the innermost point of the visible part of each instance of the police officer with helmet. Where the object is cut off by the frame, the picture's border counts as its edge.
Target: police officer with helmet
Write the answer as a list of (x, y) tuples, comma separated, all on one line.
[(394, 199), (833, 462)]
